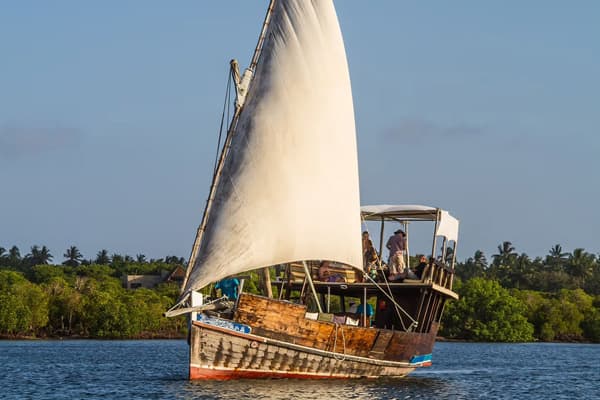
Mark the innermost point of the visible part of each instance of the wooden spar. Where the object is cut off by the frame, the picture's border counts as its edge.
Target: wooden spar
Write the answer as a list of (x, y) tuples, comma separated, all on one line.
[(265, 279), (262, 36), (226, 146), (312, 287), (204, 307)]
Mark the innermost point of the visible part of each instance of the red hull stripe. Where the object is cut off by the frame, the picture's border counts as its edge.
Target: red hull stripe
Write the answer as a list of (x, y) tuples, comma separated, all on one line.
[(199, 373)]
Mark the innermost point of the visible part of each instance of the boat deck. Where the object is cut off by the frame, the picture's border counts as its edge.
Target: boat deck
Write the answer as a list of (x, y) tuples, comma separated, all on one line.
[(357, 289)]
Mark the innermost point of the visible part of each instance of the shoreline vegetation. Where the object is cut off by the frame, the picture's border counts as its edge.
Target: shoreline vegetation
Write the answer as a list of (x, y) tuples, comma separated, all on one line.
[(514, 298)]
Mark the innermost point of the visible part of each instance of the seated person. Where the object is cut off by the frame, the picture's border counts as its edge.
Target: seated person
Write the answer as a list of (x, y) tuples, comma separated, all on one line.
[(352, 307), (419, 269), (405, 273), (326, 275)]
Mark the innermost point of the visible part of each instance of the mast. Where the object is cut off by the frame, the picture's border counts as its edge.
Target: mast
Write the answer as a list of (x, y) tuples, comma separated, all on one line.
[(227, 144)]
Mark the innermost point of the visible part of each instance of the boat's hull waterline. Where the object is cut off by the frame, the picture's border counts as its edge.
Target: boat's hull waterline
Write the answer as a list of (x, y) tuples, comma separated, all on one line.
[(320, 349), (217, 354)]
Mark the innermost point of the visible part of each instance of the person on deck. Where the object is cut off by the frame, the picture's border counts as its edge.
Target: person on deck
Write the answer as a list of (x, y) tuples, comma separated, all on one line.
[(360, 310), (419, 269), (396, 244), (370, 256), (229, 287), (326, 275), (352, 307), (383, 317)]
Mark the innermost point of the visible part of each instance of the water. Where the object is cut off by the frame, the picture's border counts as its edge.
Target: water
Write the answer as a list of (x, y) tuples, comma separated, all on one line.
[(158, 369)]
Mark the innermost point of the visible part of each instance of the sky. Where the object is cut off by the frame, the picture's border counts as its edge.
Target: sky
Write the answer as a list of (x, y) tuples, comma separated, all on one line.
[(109, 116)]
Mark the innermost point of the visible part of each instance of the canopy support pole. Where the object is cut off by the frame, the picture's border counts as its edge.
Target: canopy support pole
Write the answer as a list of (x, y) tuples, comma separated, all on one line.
[(407, 246), (312, 286), (365, 308), (381, 242)]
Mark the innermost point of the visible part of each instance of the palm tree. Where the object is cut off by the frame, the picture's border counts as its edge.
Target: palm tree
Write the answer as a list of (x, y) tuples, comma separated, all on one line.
[(580, 264), (39, 256), (479, 259), (449, 255), (556, 252), (73, 257), (506, 251), (116, 260), (556, 258), (473, 267), (102, 257), (174, 260), (140, 258), (3, 255), (14, 257)]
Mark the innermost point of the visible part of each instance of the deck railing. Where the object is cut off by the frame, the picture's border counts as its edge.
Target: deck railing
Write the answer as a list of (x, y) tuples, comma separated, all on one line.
[(439, 273)]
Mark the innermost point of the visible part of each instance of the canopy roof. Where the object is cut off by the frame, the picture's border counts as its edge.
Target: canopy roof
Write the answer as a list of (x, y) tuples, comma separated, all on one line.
[(447, 224)]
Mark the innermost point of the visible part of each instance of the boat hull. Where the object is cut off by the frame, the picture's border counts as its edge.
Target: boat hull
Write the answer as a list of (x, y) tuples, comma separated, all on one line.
[(220, 354)]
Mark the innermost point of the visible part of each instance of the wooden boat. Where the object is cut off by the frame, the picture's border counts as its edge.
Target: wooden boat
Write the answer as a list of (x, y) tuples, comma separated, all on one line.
[(288, 166)]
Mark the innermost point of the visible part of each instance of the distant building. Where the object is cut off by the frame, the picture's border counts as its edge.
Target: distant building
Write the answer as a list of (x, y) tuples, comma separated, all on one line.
[(141, 281), (177, 275)]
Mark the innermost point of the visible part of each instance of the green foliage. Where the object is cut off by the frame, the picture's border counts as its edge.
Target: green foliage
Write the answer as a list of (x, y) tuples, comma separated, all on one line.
[(487, 312), (45, 273), (514, 298), (23, 305), (65, 307), (591, 325)]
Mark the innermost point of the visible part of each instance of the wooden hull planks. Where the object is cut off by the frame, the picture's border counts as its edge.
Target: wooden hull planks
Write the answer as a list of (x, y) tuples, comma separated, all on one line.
[(285, 344), (216, 354)]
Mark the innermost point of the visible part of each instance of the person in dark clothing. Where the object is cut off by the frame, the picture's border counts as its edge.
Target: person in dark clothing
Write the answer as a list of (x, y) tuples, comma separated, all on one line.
[(383, 315), (419, 269)]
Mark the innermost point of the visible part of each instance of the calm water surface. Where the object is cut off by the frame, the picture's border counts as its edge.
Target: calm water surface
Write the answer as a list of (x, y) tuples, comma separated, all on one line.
[(157, 370)]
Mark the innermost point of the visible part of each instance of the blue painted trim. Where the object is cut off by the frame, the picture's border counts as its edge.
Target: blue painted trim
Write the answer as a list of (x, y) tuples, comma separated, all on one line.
[(420, 359), (224, 323)]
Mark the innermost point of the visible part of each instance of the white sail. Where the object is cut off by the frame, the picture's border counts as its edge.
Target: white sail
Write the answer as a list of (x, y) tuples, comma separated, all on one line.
[(289, 186)]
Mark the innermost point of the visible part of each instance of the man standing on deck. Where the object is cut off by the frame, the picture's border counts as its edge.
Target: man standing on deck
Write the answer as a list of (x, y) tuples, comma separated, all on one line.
[(229, 287), (396, 244)]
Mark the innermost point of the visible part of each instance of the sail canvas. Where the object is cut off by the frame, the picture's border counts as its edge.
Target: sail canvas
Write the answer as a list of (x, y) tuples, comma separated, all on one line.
[(289, 185)]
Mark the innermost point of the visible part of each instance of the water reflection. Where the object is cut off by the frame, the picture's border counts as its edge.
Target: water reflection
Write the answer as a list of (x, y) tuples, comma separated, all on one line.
[(405, 388)]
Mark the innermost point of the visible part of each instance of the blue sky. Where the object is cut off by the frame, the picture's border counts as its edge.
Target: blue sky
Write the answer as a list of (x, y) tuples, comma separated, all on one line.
[(109, 115)]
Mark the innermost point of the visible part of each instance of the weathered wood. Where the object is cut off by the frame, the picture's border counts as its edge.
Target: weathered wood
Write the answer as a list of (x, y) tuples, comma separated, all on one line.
[(217, 355), (284, 343), (285, 321), (381, 344)]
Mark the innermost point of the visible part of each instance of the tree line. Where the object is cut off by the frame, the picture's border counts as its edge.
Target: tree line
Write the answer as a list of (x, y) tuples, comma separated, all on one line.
[(73, 258), (513, 298), (84, 298)]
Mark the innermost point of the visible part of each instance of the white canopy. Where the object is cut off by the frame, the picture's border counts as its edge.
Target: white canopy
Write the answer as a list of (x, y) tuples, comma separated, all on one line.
[(447, 224), (293, 162)]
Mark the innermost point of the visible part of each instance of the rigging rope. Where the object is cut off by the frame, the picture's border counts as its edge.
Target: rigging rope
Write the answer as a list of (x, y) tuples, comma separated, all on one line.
[(226, 106)]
